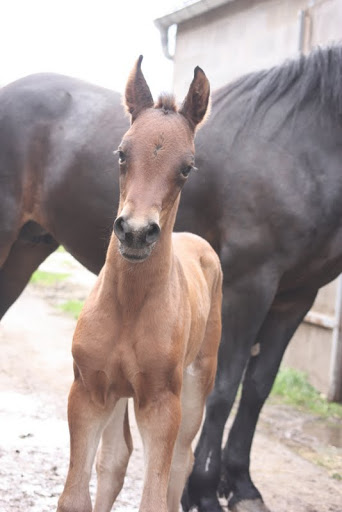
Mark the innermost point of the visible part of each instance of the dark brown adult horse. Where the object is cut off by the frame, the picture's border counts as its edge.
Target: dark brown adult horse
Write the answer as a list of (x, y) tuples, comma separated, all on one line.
[(267, 197)]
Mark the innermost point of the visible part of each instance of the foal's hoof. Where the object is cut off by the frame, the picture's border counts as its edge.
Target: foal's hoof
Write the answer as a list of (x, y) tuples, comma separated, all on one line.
[(256, 505)]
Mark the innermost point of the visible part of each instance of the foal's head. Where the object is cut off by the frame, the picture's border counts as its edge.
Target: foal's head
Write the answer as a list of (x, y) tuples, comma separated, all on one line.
[(156, 156)]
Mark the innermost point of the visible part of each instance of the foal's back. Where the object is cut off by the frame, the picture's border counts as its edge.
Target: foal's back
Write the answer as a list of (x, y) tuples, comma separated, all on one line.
[(201, 270)]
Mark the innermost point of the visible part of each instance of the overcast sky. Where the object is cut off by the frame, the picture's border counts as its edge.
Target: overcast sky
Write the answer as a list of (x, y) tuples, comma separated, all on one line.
[(96, 40)]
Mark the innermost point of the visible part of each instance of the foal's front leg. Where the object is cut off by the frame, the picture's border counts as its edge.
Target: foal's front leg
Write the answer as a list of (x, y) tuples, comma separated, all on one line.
[(86, 423), (158, 421)]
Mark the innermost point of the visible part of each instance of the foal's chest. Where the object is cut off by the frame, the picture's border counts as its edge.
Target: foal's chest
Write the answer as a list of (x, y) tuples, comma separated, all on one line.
[(117, 356)]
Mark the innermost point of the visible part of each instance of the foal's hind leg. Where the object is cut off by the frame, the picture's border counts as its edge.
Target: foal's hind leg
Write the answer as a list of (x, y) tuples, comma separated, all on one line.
[(113, 457), (283, 319), (193, 401), (22, 260), (198, 381)]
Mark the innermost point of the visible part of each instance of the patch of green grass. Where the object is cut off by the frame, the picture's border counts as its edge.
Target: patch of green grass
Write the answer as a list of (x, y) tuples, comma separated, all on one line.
[(43, 278), (72, 307), (294, 389), (336, 476)]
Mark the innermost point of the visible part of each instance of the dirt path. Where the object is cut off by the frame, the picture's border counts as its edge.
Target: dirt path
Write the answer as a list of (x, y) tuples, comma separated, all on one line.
[(35, 376)]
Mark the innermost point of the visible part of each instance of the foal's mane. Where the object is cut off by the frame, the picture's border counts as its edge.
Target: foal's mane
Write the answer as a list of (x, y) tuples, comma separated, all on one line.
[(317, 75)]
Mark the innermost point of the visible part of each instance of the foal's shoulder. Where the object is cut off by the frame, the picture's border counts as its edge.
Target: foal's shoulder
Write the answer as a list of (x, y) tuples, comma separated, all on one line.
[(191, 242), (195, 247)]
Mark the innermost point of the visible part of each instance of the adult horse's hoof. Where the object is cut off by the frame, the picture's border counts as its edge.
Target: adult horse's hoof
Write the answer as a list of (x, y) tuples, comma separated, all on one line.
[(208, 504), (249, 506), (224, 488), (187, 502)]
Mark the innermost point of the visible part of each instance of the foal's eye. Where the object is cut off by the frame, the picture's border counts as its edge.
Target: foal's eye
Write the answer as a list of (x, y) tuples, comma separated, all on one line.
[(186, 171), (122, 157)]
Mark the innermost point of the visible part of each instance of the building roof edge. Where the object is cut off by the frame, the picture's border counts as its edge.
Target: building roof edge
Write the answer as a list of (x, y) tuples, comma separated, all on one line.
[(189, 11)]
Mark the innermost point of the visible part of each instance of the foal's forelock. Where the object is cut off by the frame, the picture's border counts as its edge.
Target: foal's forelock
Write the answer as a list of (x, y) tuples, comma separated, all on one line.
[(167, 103)]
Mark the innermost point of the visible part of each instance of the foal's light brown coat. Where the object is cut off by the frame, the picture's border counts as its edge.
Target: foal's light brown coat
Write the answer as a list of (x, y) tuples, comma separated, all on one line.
[(150, 329)]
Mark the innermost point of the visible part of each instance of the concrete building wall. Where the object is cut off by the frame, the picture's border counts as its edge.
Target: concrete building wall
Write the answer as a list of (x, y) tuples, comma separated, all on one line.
[(248, 35), (310, 349), (324, 22)]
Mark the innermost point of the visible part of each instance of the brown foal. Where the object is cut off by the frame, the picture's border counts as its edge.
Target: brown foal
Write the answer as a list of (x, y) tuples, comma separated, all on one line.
[(151, 326)]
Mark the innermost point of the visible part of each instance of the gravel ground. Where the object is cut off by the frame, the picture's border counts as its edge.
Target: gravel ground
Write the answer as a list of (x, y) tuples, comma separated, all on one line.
[(295, 471)]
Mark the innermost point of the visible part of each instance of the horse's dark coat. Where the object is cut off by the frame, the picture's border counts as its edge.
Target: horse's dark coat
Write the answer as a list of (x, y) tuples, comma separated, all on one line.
[(267, 196)]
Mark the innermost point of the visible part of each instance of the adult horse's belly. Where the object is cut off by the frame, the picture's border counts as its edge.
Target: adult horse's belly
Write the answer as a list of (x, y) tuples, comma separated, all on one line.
[(319, 268)]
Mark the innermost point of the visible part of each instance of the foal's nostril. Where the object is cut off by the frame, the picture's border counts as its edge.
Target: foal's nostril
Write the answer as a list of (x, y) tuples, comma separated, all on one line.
[(119, 228), (152, 233), (137, 237)]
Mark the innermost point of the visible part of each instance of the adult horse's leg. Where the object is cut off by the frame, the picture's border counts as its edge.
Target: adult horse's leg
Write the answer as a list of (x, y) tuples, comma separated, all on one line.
[(282, 320), (22, 260), (112, 458), (9, 229), (245, 306)]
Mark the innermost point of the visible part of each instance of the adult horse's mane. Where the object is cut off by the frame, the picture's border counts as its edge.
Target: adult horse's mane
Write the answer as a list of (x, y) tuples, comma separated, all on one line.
[(315, 76)]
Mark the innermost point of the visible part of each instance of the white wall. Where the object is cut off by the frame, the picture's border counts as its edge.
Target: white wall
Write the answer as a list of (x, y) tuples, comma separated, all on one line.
[(248, 35)]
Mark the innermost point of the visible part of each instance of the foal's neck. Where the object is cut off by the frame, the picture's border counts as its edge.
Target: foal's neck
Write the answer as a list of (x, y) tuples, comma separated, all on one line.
[(133, 282)]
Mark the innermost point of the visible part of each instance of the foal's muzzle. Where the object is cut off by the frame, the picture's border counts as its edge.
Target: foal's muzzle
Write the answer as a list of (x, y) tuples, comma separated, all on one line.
[(136, 241)]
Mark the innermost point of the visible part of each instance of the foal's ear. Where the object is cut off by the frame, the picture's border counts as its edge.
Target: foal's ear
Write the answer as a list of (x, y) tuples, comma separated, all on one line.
[(137, 95), (196, 102)]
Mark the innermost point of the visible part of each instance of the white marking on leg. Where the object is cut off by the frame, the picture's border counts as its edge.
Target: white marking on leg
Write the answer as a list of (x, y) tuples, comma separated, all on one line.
[(255, 350), (191, 370), (207, 462)]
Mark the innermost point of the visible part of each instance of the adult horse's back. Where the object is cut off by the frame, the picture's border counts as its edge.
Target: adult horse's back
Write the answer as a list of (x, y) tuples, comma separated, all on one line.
[(57, 174)]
